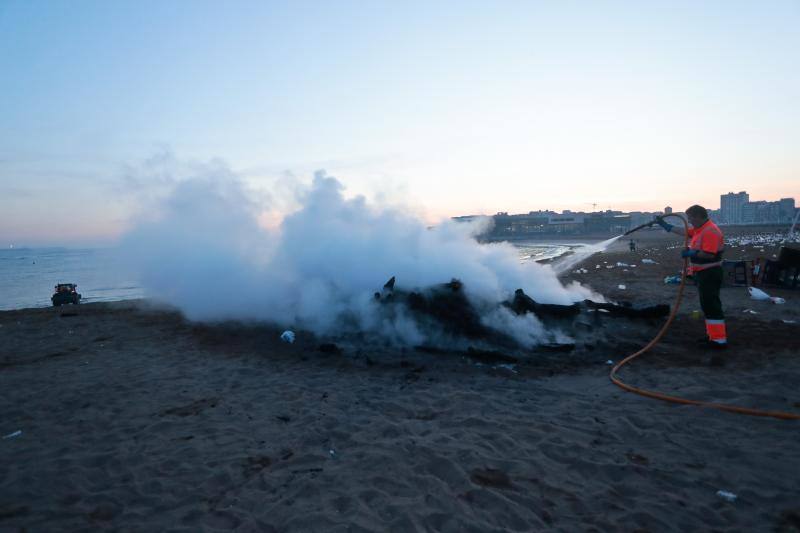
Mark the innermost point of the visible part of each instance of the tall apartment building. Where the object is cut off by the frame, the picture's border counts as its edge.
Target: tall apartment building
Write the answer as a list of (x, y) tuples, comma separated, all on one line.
[(731, 207)]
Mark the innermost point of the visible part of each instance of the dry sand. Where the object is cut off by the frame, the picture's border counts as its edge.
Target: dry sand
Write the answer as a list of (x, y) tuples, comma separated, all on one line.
[(133, 419)]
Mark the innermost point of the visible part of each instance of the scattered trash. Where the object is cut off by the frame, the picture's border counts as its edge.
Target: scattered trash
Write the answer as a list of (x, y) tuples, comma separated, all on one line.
[(727, 496), (288, 336), (597, 266), (507, 366), (17, 433), (620, 264), (621, 287), (789, 321), (672, 280), (648, 261), (609, 362), (750, 311), (757, 294), (609, 266), (332, 452)]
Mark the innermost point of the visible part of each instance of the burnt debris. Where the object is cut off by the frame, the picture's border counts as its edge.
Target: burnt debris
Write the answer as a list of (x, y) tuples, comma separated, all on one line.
[(447, 307)]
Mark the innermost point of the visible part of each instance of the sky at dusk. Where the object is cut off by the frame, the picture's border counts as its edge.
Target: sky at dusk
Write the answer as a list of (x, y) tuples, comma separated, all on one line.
[(447, 107)]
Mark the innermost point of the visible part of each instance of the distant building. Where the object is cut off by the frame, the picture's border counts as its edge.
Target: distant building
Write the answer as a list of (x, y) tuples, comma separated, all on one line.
[(787, 209), (731, 206), (736, 208), (567, 222), (668, 210), (609, 223)]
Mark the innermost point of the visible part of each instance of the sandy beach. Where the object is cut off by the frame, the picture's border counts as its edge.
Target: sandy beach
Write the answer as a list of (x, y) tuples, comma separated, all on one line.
[(134, 419)]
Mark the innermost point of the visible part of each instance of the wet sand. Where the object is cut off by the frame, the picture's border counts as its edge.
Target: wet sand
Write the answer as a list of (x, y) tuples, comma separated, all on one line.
[(134, 419)]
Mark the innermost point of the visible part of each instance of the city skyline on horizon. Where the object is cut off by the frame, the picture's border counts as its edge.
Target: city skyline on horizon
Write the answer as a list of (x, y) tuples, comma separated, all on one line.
[(610, 209)]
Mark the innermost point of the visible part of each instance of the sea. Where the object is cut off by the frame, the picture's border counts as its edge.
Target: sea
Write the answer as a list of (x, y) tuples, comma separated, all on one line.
[(29, 275)]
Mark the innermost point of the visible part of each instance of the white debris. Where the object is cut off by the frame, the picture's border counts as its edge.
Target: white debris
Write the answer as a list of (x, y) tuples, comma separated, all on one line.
[(288, 336), (609, 362), (621, 287), (757, 294), (17, 433), (789, 321), (777, 300), (647, 261), (727, 496), (750, 311)]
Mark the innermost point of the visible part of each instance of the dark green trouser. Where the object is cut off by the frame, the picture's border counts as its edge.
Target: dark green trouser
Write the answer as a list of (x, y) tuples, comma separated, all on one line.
[(709, 282)]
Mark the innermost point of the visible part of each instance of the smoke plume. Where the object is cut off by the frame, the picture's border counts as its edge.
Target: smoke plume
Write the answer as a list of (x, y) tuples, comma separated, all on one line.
[(203, 250)]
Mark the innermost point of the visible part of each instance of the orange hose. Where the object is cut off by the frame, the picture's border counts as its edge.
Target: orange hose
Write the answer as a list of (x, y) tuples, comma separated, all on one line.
[(675, 399)]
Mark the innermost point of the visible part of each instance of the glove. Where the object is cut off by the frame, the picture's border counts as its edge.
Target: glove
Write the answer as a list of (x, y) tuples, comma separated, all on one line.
[(661, 222), (687, 253)]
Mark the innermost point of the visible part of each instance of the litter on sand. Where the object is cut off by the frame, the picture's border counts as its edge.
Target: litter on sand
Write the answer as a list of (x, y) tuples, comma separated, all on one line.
[(727, 496), (621, 287), (750, 311), (288, 336), (647, 261), (672, 280), (758, 294), (17, 433), (789, 321)]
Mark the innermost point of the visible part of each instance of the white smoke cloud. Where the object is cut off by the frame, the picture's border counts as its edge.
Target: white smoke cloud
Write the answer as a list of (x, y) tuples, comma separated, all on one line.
[(204, 251)]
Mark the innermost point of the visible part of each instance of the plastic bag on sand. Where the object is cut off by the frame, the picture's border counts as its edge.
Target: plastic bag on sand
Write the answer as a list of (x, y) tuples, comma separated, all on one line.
[(287, 336), (621, 287), (757, 294)]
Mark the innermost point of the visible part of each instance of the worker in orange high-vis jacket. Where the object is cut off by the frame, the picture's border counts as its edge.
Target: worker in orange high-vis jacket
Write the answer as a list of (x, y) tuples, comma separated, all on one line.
[(705, 265)]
